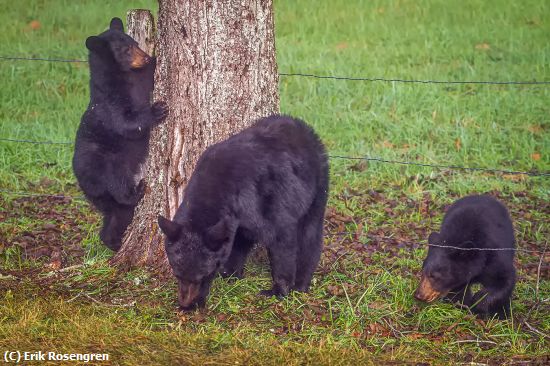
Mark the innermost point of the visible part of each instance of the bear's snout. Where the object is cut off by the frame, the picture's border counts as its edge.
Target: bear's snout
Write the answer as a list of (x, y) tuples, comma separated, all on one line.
[(425, 291), (139, 58), (188, 294)]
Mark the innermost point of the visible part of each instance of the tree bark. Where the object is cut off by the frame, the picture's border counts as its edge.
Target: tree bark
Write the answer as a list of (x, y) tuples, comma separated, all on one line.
[(141, 27), (216, 69)]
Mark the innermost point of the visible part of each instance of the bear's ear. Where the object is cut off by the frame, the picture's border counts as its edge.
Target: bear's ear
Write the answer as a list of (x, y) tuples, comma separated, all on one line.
[(434, 238), (116, 24), (217, 235), (171, 229), (96, 44)]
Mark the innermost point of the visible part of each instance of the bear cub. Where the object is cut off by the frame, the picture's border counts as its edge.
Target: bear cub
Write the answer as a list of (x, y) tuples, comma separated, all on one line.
[(472, 222), (112, 140), (267, 184)]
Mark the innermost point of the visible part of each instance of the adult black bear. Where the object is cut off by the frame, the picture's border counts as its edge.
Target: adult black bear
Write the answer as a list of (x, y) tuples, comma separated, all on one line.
[(113, 137), (472, 222), (266, 184)]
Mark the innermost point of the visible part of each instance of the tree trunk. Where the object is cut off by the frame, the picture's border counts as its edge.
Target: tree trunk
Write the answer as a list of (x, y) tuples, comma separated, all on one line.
[(141, 27), (217, 71)]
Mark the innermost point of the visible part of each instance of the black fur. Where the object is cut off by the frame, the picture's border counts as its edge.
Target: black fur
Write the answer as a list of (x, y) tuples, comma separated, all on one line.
[(474, 222), (113, 136), (267, 184)]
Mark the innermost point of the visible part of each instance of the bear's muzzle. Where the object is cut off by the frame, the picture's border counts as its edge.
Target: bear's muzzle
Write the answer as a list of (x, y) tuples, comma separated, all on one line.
[(139, 58), (188, 294), (426, 292)]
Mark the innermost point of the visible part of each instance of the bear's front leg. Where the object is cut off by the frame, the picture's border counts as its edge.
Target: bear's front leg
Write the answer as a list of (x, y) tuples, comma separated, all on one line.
[(282, 257), (462, 295), (494, 299), (139, 122), (159, 110), (234, 267)]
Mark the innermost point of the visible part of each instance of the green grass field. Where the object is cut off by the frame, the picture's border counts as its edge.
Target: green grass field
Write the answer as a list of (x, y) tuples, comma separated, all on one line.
[(360, 309)]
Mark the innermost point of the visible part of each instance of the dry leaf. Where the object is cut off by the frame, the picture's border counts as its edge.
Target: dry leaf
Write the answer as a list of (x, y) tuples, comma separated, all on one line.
[(341, 46), (458, 144), (483, 46), (535, 128), (514, 177), (35, 24), (387, 144), (405, 148), (434, 115), (535, 156)]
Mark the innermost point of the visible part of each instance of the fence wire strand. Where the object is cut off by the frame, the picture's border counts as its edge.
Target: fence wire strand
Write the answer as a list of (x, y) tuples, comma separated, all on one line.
[(439, 166), (411, 81), (38, 142), (366, 158), (388, 238), (330, 77)]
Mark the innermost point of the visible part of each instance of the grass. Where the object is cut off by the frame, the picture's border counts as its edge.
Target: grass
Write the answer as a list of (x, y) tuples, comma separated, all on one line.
[(360, 309)]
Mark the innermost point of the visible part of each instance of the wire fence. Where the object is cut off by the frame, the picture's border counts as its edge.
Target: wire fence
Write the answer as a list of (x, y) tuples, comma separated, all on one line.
[(37, 142), (362, 158), (359, 235), (332, 77)]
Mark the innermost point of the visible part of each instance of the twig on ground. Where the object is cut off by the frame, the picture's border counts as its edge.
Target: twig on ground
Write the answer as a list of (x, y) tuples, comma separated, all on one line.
[(538, 271), (8, 277), (475, 341), (535, 330), (131, 303), (62, 270)]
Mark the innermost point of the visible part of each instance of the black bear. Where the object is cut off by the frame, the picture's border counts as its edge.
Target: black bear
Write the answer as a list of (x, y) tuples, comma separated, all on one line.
[(113, 137), (453, 264), (267, 184)]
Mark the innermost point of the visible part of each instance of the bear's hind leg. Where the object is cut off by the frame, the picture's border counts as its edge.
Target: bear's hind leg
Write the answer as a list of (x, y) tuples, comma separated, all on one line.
[(106, 232), (310, 243), (114, 226)]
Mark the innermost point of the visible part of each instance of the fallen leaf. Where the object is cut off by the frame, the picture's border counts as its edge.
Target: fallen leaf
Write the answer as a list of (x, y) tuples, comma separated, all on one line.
[(535, 156), (335, 290), (342, 46), (361, 166), (35, 24), (482, 46), (458, 144), (514, 177), (535, 128)]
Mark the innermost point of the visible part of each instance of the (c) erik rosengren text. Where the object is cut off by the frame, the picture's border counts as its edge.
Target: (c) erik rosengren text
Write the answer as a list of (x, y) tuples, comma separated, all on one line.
[(19, 356)]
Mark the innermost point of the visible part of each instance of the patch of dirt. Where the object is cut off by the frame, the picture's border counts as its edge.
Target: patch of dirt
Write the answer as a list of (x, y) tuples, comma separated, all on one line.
[(49, 229), (369, 223)]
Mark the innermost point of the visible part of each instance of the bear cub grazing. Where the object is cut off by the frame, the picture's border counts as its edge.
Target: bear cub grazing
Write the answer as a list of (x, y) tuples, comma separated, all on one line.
[(472, 222), (113, 137), (266, 184)]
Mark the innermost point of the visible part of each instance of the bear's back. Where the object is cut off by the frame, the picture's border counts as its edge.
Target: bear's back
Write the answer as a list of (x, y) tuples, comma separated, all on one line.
[(480, 217)]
